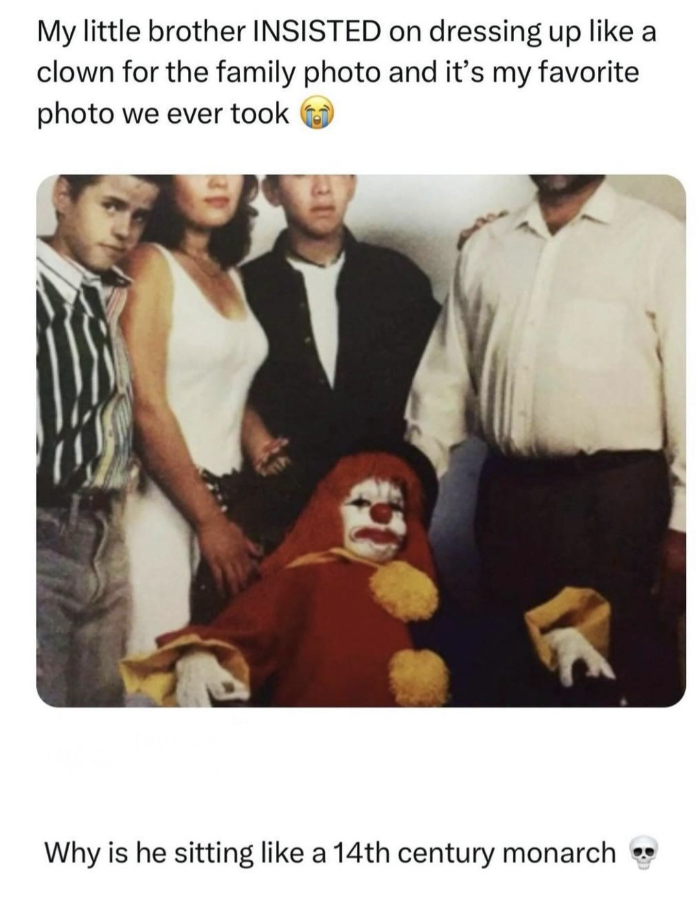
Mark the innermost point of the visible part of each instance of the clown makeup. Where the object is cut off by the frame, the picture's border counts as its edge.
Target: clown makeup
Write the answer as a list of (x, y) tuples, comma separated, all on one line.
[(374, 526)]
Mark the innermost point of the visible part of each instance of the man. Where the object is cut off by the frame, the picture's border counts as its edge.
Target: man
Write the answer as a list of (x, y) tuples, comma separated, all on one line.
[(347, 323), (84, 425), (563, 337)]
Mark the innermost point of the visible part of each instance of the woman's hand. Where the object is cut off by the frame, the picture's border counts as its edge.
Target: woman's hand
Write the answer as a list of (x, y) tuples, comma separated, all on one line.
[(271, 458), (230, 555), (265, 452)]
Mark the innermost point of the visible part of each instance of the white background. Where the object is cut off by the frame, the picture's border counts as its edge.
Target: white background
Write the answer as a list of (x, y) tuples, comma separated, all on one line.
[(487, 777)]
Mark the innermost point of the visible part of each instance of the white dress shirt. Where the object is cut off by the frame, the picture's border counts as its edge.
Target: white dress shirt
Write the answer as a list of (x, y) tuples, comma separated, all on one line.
[(321, 282), (555, 344)]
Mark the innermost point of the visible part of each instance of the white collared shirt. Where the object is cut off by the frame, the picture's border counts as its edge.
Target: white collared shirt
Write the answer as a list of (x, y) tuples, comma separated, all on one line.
[(321, 282), (562, 343)]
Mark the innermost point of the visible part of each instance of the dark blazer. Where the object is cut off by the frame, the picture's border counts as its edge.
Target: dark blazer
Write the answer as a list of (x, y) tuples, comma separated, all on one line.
[(386, 313)]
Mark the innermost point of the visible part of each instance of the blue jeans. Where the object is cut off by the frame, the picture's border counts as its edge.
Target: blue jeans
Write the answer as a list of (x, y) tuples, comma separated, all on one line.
[(83, 603)]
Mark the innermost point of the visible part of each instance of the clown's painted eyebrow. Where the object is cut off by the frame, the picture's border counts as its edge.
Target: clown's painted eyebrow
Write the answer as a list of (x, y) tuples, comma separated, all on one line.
[(395, 501), (355, 497)]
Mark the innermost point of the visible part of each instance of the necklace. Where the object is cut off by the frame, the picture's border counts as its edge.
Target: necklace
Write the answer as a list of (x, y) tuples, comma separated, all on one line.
[(212, 270)]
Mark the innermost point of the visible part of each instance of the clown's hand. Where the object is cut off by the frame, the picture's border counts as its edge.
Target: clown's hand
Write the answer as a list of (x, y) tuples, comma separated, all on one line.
[(200, 678), (569, 646)]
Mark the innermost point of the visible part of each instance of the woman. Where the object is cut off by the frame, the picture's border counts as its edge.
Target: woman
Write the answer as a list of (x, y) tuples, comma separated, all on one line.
[(195, 347)]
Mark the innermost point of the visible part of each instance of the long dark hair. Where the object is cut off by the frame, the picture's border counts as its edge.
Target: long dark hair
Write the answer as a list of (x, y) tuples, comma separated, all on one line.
[(229, 244)]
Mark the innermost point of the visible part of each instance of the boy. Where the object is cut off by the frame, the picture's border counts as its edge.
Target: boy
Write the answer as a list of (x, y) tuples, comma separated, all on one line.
[(84, 427), (346, 322)]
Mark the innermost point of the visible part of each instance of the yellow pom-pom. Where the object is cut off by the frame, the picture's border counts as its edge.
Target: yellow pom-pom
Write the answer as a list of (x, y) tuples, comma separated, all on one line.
[(418, 679), (405, 592)]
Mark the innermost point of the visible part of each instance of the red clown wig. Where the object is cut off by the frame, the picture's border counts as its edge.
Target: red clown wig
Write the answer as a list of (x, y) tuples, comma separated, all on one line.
[(320, 526)]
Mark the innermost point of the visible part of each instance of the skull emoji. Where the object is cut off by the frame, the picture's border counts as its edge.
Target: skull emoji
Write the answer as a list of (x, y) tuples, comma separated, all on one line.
[(644, 849)]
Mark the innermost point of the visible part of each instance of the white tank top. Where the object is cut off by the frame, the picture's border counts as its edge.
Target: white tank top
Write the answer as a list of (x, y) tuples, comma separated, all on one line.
[(211, 364)]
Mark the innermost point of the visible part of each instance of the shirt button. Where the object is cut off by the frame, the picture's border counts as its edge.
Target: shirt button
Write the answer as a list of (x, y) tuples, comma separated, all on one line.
[(307, 340)]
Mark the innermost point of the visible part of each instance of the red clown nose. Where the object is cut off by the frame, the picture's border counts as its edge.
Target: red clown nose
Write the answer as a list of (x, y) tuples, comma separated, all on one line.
[(381, 513)]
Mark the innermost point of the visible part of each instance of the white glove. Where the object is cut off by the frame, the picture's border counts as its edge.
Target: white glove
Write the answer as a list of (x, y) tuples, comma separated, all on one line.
[(570, 646), (200, 678)]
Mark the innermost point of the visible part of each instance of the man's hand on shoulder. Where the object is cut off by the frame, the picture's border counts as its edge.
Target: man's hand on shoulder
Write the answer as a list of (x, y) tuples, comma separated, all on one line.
[(477, 226)]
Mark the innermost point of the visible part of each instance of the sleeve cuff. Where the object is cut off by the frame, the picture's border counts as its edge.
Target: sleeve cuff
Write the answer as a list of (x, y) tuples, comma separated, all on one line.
[(154, 675), (584, 609), (677, 520)]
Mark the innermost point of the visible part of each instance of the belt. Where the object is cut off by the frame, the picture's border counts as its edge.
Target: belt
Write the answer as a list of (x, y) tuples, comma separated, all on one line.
[(90, 500), (581, 463)]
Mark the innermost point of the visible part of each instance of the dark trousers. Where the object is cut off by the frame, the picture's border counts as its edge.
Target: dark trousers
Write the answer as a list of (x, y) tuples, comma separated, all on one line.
[(590, 521)]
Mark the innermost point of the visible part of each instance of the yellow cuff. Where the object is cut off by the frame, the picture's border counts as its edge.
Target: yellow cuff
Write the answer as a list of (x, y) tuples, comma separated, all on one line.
[(154, 675), (584, 609)]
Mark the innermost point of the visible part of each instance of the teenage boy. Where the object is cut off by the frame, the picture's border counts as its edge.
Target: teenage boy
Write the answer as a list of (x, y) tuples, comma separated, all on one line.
[(347, 323), (84, 427)]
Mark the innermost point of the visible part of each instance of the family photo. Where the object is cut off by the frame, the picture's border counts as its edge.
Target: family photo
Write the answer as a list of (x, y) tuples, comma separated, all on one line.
[(360, 441)]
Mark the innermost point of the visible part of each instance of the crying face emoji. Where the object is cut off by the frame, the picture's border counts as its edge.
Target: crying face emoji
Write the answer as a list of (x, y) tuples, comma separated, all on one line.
[(317, 112)]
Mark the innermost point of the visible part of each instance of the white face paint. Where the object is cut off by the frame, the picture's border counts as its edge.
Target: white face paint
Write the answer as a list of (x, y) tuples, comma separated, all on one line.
[(374, 526)]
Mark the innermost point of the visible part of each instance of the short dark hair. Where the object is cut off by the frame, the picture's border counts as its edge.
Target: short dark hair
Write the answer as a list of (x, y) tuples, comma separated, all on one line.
[(273, 179), (229, 244), (78, 183)]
